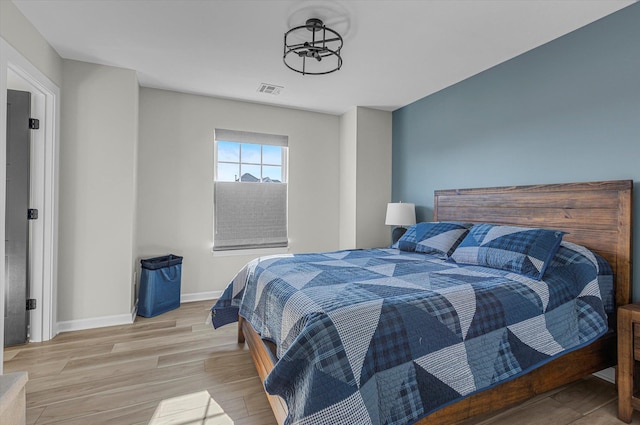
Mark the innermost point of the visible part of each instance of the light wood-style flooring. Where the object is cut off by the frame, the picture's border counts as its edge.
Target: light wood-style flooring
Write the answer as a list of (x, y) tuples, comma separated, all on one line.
[(175, 369)]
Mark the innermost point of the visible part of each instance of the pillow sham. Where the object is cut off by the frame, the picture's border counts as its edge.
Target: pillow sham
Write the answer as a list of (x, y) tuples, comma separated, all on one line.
[(523, 250), (574, 261), (435, 238)]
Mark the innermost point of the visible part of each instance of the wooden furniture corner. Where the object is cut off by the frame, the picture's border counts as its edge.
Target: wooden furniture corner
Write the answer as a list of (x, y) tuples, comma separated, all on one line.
[(628, 361)]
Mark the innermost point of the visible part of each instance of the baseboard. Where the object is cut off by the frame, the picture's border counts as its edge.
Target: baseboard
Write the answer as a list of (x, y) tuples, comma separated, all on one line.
[(608, 374), (126, 319), (95, 322), (200, 296)]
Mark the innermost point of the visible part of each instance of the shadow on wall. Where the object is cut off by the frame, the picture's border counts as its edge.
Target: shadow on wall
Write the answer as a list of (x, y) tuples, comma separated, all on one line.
[(423, 213)]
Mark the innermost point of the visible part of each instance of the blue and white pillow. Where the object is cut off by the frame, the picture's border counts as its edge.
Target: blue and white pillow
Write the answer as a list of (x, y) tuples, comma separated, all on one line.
[(574, 261), (523, 250), (435, 238)]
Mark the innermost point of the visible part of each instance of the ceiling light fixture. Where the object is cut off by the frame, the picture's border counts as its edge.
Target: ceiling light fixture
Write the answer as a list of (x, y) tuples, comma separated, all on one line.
[(316, 42)]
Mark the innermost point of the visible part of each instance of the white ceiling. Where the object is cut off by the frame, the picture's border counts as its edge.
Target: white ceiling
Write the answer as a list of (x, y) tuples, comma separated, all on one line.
[(395, 51)]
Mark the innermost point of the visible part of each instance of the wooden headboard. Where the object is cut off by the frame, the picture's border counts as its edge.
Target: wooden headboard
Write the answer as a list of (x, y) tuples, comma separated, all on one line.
[(597, 215)]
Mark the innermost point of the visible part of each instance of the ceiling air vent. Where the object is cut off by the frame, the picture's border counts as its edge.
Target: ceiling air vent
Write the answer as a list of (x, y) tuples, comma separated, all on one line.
[(269, 89)]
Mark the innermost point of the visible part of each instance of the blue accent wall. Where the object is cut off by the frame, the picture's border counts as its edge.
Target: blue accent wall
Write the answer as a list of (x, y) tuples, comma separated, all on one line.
[(567, 111)]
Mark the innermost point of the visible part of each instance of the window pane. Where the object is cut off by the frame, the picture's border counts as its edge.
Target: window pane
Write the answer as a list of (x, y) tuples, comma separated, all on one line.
[(250, 173), (271, 155), (251, 153), (229, 151), (228, 172), (272, 173)]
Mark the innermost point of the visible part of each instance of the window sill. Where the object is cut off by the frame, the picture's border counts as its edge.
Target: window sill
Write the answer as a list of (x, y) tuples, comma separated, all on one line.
[(254, 252)]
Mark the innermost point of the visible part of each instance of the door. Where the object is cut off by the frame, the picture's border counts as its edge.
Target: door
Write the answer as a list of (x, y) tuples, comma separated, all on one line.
[(16, 219)]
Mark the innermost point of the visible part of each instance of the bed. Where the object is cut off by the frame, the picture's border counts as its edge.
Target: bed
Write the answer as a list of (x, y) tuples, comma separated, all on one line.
[(594, 215)]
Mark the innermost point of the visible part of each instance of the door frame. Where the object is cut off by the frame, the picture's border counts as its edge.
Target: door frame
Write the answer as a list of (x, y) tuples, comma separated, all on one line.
[(45, 159)]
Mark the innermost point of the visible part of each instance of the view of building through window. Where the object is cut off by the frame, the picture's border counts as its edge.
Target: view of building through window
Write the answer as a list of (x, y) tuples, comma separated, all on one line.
[(248, 162)]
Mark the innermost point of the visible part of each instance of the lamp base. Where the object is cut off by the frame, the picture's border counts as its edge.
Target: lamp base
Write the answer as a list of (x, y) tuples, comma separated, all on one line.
[(397, 233)]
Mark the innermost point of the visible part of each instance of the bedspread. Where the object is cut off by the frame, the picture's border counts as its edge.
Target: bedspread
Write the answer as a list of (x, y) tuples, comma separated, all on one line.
[(384, 336)]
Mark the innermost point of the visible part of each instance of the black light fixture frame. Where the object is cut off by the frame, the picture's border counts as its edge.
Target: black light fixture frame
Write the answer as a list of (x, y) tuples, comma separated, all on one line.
[(317, 48)]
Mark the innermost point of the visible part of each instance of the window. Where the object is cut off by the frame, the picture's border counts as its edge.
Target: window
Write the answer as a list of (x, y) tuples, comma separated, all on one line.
[(249, 162), (250, 190)]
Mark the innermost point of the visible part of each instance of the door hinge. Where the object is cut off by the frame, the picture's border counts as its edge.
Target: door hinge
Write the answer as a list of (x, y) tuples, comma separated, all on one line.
[(34, 123), (31, 304), (32, 214)]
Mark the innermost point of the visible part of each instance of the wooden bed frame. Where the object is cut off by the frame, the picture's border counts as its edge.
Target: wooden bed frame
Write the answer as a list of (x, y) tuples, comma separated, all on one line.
[(597, 215)]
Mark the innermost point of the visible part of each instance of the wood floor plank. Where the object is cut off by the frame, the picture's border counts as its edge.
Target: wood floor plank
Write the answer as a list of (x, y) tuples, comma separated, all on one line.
[(127, 396), (262, 418), (119, 331), (71, 349), (137, 413), (78, 352), (175, 369), (201, 354), (36, 370), (606, 415), (150, 336), (98, 387), (586, 395), (196, 408), (257, 403), (10, 354), (33, 414), (177, 335), (196, 321), (52, 383), (229, 368), (240, 388), (546, 411), (165, 346), (201, 327)]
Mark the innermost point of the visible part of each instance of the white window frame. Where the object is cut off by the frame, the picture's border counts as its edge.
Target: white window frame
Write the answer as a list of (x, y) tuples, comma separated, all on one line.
[(274, 239)]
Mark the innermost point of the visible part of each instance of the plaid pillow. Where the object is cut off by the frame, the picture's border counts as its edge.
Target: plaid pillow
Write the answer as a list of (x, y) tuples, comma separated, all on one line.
[(439, 238), (522, 250)]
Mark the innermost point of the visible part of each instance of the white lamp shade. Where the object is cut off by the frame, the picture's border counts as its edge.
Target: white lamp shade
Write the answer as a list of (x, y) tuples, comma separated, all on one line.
[(400, 214)]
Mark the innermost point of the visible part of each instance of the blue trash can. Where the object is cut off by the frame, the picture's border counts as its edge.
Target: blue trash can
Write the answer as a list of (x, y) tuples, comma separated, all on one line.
[(159, 285)]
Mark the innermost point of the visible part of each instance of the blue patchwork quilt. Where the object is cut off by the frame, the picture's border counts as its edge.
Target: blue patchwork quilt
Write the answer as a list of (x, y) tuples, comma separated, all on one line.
[(384, 336)]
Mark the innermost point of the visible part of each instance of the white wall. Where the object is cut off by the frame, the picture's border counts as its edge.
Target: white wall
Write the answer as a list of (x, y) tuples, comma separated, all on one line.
[(365, 178), (175, 183), (373, 177), (348, 186), (99, 131), (25, 38)]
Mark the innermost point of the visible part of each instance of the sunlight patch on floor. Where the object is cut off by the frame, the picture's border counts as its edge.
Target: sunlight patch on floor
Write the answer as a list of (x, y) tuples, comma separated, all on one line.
[(191, 409)]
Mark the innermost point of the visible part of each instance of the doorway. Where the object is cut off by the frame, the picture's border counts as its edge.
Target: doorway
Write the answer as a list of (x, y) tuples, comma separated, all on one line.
[(17, 216), (18, 73)]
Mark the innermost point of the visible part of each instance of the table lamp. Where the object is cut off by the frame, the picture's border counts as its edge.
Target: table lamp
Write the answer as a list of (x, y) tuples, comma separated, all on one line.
[(400, 214)]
